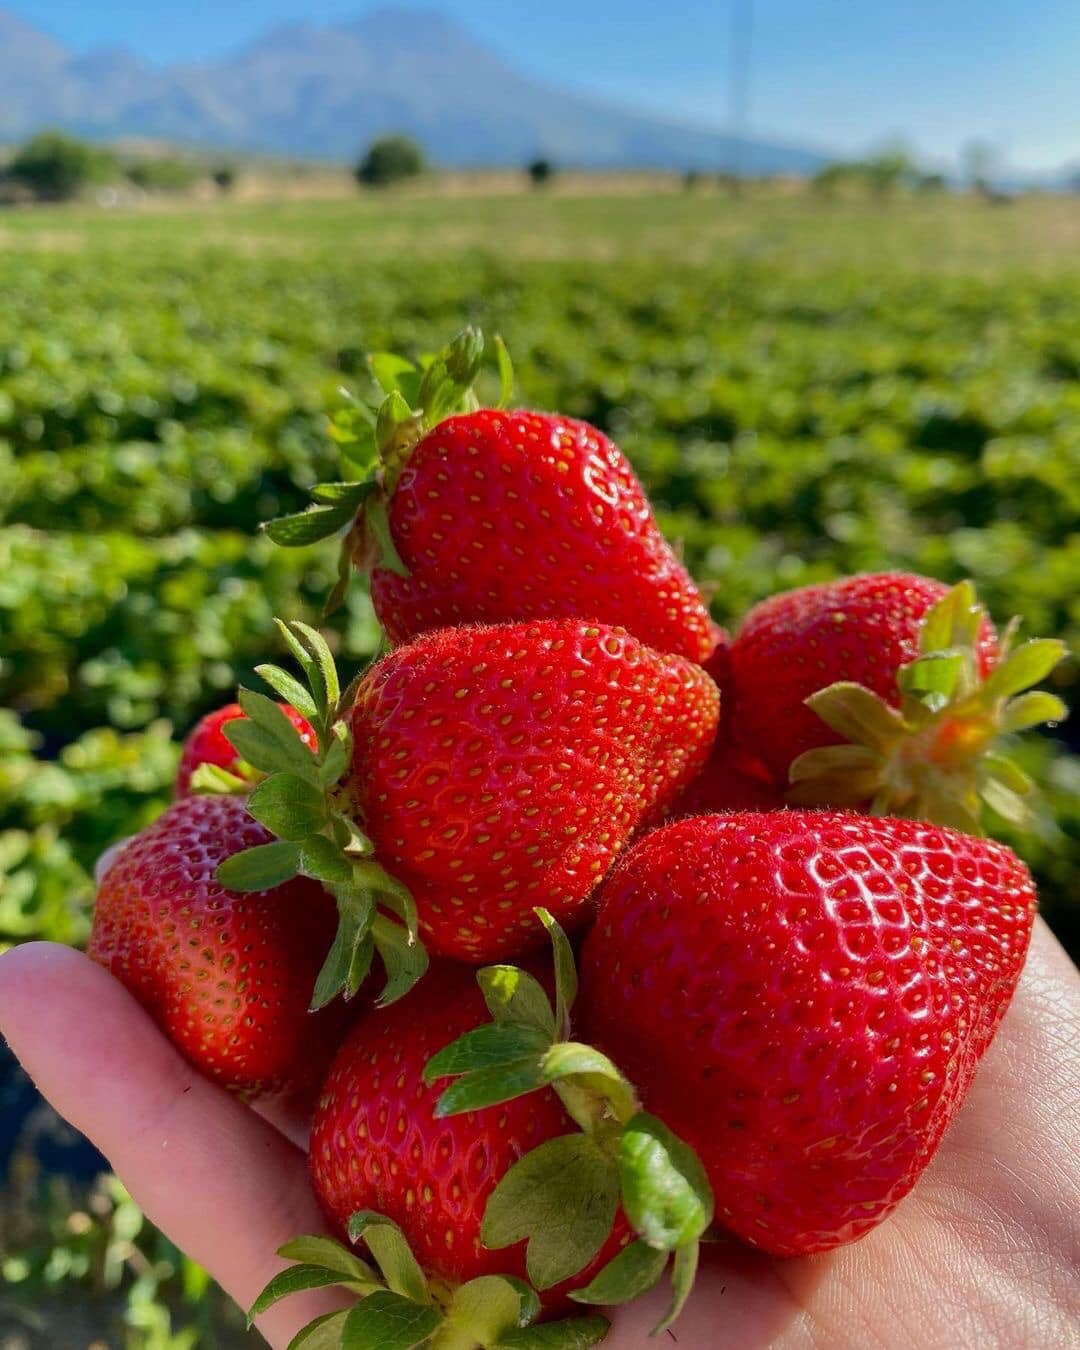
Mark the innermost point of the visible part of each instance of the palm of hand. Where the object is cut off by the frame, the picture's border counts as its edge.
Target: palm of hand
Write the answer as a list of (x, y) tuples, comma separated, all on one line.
[(984, 1251)]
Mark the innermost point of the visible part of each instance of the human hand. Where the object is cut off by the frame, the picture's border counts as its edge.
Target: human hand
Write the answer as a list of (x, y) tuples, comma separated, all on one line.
[(983, 1252)]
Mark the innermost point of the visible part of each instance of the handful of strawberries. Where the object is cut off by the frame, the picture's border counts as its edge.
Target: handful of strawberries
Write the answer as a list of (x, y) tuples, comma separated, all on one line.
[(796, 944)]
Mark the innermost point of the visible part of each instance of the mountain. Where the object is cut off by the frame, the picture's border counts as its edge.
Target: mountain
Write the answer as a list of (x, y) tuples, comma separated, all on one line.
[(306, 89)]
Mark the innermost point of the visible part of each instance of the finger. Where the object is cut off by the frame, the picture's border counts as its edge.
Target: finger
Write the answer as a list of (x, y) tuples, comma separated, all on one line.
[(227, 1187), (283, 1114)]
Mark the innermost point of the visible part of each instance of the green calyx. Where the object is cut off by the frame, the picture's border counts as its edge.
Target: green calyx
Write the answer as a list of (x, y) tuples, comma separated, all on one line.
[(935, 757), (399, 1308), (297, 799), (562, 1198), (213, 779), (376, 441)]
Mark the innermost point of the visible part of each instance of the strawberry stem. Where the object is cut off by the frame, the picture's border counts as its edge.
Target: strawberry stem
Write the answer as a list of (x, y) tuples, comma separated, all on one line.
[(376, 442)]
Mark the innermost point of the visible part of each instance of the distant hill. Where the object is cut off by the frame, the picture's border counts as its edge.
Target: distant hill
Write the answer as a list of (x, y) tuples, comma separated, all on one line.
[(304, 89)]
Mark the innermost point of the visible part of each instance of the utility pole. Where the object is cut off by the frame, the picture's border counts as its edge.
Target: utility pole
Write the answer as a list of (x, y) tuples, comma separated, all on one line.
[(742, 33)]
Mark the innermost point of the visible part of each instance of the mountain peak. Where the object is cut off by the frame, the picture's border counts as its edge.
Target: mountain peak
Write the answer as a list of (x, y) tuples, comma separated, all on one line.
[(26, 47), (327, 90)]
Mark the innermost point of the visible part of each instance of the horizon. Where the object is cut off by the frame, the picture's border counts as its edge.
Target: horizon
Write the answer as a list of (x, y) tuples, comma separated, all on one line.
[(935, 94)]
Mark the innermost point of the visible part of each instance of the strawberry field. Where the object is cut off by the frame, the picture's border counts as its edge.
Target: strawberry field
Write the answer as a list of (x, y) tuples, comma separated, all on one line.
[(804, 395)]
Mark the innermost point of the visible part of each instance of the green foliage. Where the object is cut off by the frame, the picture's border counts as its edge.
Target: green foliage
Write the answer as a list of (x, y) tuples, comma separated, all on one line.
[(77, 1261), (541, 171), (164, 175), (57, 167), (390, 159), (398, 1310), (880, 175)]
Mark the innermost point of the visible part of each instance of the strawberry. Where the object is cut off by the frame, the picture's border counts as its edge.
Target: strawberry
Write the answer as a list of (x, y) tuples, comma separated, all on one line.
[(227, 976), (489, 516), (730, 781), (378, 1143), (208, 744), (718, 665), (887, 691), (499, 768), (805, 996), (463, 779), (390, 1170), (559, 527)]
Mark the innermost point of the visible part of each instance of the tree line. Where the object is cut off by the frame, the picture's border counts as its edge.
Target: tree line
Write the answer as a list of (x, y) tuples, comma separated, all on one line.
[(54, 167)]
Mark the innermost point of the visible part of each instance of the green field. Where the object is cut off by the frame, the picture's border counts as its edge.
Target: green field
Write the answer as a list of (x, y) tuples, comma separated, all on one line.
[(806, 387)]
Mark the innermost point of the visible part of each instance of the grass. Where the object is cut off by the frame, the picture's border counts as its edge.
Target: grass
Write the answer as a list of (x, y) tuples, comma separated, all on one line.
[(941, 234)]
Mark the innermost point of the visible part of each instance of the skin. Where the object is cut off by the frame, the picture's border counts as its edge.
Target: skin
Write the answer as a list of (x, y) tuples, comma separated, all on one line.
[(986, 1250)]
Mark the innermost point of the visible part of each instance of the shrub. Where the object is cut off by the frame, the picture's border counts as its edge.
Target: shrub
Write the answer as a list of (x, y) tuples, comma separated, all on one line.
[(56, 167), (540, 171), (390, 159)]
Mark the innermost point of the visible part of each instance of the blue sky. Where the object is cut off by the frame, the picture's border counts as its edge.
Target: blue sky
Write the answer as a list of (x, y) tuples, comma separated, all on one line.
[(845, 74)]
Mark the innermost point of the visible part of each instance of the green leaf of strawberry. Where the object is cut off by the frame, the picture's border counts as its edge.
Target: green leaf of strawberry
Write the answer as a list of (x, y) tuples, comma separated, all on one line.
[(260, 868), (386, 1321), (665, 1191), (488, 1047), (289, 806), (296, 1280), (634, 1271), (308, 527), (213, 778), (563, 1196), (932, 756), (683, 1273), (290, 689), (513, 996), (331, 1255), (296, 802), (387, 1244), (398, 1309), (324, 1333), (573, 1333)]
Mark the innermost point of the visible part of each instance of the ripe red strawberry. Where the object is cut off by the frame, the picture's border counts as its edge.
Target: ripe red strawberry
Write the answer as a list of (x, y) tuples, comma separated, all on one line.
[(718, 665), (207, 743), (497, 769), (378, 1144), (861, 628), (730, 781), (492, 516), (504, 516), (804, 997), (228, 977), (888, 692)]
